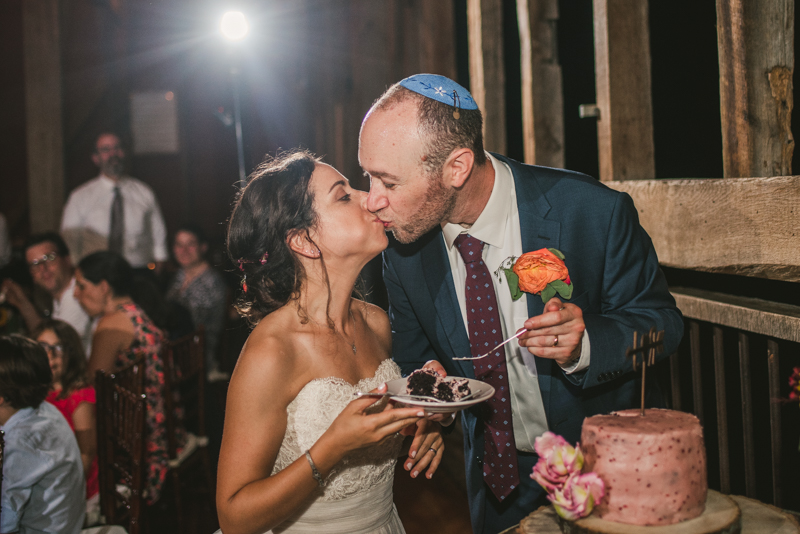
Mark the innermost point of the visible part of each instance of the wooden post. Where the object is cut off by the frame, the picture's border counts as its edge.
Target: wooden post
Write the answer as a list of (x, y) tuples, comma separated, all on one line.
[(487, 78), (622, 69), (45, 143), (542, 97), (756, 64)]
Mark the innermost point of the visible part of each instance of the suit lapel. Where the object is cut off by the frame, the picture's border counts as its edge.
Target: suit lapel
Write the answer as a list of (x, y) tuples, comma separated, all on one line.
[(436, 267), (537, 233)]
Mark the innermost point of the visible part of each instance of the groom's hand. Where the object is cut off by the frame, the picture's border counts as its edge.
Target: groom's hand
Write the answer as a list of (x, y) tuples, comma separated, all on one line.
[(426, 449), (435, 366), (556, 334)]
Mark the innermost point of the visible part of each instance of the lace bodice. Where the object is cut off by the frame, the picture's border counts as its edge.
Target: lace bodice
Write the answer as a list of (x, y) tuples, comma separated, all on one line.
[(312, 412)]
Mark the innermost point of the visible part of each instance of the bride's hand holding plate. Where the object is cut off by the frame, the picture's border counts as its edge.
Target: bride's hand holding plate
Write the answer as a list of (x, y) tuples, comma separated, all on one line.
[(354, 428)]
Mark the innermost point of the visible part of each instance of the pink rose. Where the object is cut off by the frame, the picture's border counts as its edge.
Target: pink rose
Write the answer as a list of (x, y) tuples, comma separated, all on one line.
[(578, 496), (558, 460)]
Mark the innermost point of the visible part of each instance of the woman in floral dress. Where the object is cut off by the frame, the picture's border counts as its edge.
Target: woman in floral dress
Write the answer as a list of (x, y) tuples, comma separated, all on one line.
[(104, 283)]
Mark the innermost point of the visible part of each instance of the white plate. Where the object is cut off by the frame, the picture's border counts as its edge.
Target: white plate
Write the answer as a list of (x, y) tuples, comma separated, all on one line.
[(481, 390)]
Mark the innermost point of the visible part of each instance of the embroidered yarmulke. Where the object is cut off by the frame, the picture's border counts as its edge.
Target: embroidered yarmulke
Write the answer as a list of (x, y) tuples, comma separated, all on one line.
[(440, 88)]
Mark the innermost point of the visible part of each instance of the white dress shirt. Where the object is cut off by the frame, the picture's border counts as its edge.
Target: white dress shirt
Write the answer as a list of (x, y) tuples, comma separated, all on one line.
[(43, 486), (87, 215), (68, 309), (498, 227)]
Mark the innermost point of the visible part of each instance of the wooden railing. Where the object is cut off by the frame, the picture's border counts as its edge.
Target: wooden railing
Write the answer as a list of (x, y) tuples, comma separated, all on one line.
[(757, 330)]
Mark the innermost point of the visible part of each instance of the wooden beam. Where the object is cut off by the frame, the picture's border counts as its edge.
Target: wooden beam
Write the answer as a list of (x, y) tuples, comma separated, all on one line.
[(542, 95), (758, 316), (745, 226), (487, 77), (437, 41), (44, 136), (756, 65), (622, 70)]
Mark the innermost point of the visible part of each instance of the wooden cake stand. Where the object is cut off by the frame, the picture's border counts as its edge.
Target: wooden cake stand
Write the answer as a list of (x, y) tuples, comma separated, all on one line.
[(724, 515)]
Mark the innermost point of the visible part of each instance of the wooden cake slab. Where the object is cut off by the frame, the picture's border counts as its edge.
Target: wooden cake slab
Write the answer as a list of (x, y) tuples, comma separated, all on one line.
[(765, 519), (721, 516)]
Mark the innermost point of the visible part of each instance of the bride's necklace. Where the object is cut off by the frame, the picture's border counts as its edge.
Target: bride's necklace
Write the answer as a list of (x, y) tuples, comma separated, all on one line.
[(351, 343)]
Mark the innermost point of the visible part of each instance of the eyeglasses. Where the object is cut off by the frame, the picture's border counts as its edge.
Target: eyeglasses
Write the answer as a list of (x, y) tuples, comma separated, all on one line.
[(47, 258), (52, 349)]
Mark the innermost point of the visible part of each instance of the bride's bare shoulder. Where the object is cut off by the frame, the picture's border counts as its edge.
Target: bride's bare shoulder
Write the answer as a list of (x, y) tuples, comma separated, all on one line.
[(270, 357)]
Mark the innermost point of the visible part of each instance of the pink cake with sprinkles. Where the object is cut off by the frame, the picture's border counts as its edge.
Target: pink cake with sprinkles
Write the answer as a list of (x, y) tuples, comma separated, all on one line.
[(653, 466)]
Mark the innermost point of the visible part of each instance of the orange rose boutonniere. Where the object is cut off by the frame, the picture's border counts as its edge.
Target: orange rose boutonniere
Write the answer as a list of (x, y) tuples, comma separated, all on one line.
[(541, 272)]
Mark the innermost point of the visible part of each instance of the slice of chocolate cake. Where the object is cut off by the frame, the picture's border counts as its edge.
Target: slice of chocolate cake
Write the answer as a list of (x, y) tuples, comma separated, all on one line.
[(429, 384)]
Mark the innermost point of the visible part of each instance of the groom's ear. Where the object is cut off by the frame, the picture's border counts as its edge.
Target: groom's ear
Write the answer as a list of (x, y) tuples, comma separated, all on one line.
[(458, 167)]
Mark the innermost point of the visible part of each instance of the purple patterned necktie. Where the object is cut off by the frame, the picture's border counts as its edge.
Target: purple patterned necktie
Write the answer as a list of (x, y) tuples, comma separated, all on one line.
[(499, 450)]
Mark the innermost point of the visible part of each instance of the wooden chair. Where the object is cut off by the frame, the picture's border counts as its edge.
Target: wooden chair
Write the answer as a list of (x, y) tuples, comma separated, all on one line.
[(121, 449), (184, 367), (132, 376)]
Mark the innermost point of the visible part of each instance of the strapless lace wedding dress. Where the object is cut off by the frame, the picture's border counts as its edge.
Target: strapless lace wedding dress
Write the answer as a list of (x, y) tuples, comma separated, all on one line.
[(357, 497)]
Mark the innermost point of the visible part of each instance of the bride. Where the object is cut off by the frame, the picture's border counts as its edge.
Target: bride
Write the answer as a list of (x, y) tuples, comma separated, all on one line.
[(298, 453)]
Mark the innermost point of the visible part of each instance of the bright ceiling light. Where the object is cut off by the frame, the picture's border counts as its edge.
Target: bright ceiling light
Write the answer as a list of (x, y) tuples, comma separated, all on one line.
[(234, 25)]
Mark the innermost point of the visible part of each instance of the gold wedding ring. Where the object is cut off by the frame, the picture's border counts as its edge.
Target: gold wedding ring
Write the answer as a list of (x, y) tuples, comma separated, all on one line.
[(555, 342)]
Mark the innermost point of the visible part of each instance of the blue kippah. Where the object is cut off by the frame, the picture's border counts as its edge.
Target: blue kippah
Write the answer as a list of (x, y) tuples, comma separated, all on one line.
[(440, 88)]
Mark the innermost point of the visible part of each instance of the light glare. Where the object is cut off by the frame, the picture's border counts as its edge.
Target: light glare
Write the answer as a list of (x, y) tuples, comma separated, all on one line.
[(234, 25)]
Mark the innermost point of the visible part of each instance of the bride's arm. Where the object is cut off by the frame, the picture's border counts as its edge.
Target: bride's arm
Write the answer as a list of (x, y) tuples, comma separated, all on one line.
[(427, 448), (266, 379)]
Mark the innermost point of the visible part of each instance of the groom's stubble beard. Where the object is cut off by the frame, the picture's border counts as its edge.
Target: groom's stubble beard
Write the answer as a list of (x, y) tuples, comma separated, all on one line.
[(437, 207)]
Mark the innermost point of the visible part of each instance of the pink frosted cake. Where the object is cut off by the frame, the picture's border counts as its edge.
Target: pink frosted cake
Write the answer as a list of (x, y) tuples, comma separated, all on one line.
[(654, 467)]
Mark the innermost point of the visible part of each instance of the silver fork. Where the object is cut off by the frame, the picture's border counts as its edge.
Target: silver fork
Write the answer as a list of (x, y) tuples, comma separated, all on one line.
[(413, 397), (515, 336), (400, 395)]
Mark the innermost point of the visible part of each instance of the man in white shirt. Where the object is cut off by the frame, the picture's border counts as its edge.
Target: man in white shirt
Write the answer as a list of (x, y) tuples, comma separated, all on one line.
[(458, 215), (43, 485), (115, 212), (51, 268)]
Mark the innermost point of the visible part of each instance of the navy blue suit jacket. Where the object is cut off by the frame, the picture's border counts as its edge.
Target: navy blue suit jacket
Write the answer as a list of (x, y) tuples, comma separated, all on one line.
[(617, 284)]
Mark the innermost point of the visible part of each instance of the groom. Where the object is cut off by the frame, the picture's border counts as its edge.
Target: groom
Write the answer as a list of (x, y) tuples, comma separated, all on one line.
[(458, 214)]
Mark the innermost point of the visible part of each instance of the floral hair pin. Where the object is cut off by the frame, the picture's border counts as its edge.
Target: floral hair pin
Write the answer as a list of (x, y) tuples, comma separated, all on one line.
[(241, 263), (541, 272), (262, 261)]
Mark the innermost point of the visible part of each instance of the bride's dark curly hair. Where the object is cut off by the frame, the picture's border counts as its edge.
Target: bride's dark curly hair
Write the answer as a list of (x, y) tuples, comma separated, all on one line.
[(275, 203)]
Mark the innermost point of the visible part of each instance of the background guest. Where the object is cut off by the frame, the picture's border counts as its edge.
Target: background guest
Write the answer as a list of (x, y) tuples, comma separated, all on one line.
[(52, 271), (104, 283), (74, 397), (115, 211), (172, 318), (200, 289), (43, 485)]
